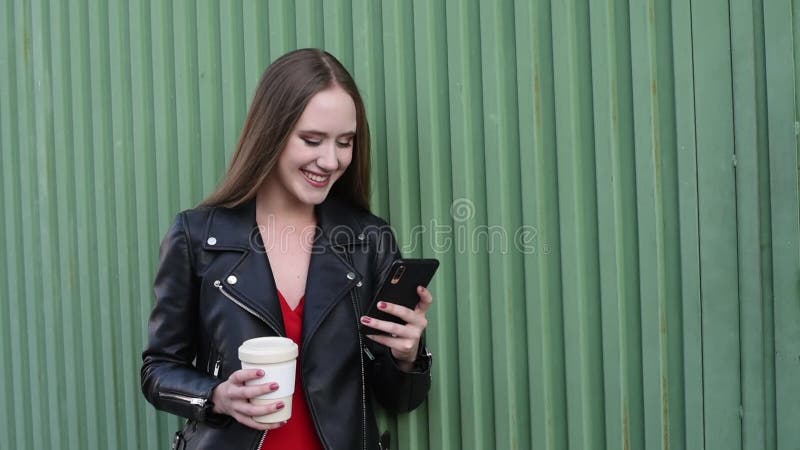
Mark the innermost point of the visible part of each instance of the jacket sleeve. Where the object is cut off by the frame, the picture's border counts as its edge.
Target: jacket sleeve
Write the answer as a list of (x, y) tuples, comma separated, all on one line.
[(395, 389), (169, 379)]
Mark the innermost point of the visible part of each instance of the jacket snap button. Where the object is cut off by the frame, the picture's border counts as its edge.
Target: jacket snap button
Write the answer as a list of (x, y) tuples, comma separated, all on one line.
[(359, 284), (351, 276), (232, 279), (212, 241), (360, 236)]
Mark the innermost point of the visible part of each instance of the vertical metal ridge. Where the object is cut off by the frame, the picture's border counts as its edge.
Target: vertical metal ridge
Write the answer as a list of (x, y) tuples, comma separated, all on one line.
[(13, 381), (435, 200), (542, 263), (281, 18), (144, 182), (187, 91), (126, 270), (765, 225), (648, 179), (66, 292), (103, 211), (6, 236), (674, 400), (85, 271), (45, 255), (368, 70), (212, 156), (751, 311), (782, 91), (338, 30), (469, 213), (613, 124), (683, 63), (164, 110), (234, 101), (502, 184), (256, 32), (29, 260), (718, 244), (309, 23), (577, 214)]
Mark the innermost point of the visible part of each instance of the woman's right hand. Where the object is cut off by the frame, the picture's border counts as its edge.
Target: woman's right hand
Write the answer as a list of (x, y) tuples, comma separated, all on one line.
[(232, 397)]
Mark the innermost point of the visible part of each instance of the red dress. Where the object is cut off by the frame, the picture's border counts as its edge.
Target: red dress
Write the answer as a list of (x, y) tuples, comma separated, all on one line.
[(299, 433)]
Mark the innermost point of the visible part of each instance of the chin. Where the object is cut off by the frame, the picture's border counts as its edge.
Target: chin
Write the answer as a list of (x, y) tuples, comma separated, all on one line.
[(313, 199)]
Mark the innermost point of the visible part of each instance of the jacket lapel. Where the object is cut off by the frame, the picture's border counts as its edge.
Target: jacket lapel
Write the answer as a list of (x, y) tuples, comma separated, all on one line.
[(330, 278), (250, 279)]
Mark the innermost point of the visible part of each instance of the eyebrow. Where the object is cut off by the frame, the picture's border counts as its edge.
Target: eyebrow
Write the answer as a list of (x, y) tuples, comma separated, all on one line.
[(322, 133)]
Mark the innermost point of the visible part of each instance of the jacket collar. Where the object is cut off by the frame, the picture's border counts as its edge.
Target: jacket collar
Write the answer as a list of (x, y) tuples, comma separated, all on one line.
[(236, 228), (250, 279)]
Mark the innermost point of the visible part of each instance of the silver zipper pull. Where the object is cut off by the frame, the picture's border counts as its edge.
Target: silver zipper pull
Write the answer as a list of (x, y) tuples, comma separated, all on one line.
[(369, 354), (216, 366)]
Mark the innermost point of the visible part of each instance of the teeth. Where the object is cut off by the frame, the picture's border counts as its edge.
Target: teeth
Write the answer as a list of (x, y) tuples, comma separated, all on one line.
[(313, 177)]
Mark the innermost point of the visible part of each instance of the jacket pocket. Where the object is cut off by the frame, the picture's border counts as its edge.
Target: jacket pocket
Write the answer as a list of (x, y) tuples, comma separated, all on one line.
[(178, 443), (214, 364), (182, 436)]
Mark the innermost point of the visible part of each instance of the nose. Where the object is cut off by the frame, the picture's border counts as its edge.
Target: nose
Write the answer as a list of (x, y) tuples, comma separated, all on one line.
[(327, 159)]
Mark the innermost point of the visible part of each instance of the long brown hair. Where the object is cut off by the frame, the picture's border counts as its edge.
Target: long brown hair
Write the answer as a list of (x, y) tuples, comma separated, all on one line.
[(280, 99)]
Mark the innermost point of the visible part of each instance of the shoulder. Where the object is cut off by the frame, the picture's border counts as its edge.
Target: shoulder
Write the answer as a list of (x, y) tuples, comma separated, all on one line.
[(193, 220), (344, 222)]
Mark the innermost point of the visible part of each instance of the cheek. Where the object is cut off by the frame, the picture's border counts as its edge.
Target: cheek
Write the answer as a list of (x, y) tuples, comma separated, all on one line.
[(345, 158)]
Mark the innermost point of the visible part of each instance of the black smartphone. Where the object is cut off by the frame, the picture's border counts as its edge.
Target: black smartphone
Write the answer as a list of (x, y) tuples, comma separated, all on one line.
[(399, 286)]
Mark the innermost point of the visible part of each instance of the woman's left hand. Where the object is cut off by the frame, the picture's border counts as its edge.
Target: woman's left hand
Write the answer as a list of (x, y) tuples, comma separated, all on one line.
[(403, 340)]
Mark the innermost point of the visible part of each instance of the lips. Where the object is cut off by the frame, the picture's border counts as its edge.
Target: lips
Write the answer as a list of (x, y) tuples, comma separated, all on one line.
[(315, 179)]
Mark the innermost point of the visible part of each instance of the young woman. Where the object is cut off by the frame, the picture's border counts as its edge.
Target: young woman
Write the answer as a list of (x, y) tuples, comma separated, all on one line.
[(286, 246)]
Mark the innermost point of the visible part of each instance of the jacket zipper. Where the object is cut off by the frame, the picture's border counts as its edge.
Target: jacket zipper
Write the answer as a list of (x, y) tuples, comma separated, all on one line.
[(362, 350), (218, 285), (198, 401), (261, 441), (361, 346)]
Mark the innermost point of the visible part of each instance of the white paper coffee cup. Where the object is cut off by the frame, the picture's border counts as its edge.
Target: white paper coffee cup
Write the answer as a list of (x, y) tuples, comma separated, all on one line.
[(277, 357)]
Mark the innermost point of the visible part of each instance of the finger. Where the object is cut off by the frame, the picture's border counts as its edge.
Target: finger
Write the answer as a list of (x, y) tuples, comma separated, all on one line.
[(243, 375), (400, 311), (404, 350), (253, 410), (255, 390), (386, 326), (398, 344), (425, 299)]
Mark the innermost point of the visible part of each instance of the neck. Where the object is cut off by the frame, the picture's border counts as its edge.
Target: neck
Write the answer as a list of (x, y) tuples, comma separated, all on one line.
[(281, 208)]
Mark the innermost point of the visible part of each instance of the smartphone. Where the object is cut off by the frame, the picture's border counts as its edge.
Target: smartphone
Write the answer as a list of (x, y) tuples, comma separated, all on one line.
[(400, 286)]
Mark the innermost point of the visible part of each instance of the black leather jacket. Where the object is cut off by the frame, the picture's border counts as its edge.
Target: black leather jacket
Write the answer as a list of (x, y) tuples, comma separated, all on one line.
[(214, 290)]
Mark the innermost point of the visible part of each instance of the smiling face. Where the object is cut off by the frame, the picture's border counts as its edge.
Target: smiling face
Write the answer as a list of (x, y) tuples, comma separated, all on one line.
[(318, 150)]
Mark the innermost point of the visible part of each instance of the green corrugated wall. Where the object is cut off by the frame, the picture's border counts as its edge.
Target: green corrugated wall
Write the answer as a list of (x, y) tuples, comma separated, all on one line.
[(611, 186)]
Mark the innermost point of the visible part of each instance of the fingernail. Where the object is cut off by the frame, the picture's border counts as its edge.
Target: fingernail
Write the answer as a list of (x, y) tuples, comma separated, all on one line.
[(365, 319), (260, 373), (274, 386), (280, 405), (382, 305)]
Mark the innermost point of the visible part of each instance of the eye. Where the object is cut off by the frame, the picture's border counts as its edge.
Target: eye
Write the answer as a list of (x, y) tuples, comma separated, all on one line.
[(347, 144), (311, 142)]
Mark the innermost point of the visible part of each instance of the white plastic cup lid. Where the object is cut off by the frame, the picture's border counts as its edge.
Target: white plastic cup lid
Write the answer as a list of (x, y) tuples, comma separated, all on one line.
[(268, 350)]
